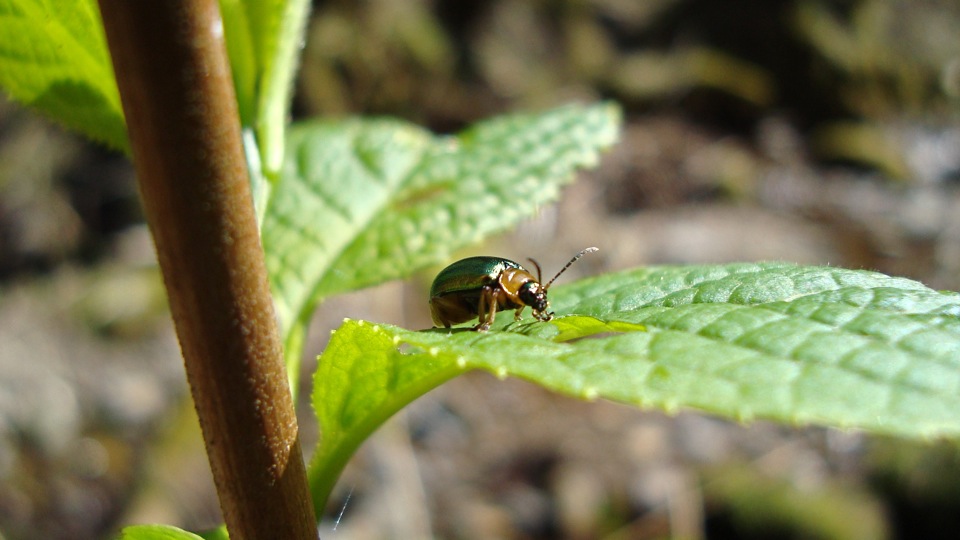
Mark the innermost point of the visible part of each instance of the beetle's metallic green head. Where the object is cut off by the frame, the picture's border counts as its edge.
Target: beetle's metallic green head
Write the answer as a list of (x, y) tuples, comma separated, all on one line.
[(535, 295)]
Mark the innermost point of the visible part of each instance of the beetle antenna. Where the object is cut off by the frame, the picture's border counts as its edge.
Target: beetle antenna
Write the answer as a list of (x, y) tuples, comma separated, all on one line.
[(573, 260), (535, 263)]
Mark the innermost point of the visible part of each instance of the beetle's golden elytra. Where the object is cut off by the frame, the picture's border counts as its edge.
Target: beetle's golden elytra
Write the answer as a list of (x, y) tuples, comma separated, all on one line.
[(482, 286)]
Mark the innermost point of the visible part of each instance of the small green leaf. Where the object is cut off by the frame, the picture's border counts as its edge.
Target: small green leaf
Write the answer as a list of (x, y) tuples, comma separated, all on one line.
[(276, 84), (156, 532), (264, 38), (53, 57), (361, 202), (799, 345), (238, 32)]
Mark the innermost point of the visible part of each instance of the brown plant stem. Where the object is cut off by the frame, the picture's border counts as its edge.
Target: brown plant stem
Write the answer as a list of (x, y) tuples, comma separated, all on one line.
[(181, 112)]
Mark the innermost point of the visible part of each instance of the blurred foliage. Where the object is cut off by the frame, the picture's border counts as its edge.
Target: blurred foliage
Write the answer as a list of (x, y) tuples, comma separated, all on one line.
[(122, 301), (60, 199), (919, 484), (749, 504), (843, 71)]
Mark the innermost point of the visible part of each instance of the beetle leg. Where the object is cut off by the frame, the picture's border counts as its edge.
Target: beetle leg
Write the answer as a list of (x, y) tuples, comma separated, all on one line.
[(516, 314), (543, 316), (481, 310), (486, 310)]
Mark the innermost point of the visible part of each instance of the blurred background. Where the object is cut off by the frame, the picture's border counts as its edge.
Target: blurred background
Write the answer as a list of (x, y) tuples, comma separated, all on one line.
[(813, 131)]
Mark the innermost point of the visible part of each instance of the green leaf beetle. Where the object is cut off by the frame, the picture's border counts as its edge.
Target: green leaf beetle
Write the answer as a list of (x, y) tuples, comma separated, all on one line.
[(482, 286)]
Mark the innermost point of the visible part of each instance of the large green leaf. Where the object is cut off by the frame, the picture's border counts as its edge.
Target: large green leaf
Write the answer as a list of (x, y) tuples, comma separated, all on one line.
[(800, 345), (53, 57), (364, 201)]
